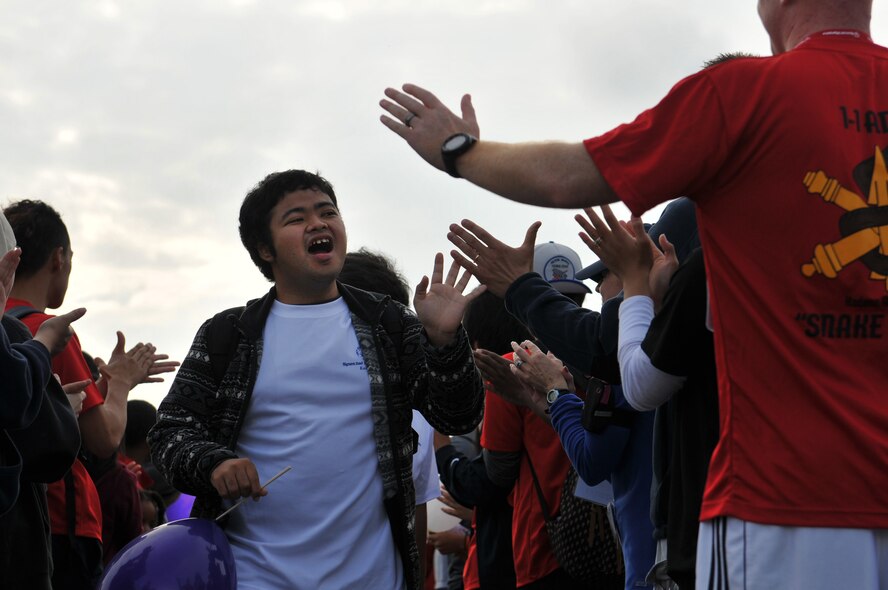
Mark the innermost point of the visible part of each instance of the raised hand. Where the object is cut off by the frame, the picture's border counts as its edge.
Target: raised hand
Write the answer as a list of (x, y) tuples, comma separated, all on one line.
[(55, 333), (423, 121), (440, 303), (629, 252), (492, 262)]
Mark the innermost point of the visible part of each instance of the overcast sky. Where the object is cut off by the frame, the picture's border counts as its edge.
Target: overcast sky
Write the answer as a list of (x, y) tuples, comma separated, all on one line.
[(145, 123)]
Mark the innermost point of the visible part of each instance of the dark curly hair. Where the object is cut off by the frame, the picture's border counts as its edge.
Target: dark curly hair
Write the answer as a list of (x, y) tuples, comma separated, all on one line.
[(372, 271), (255, 212)]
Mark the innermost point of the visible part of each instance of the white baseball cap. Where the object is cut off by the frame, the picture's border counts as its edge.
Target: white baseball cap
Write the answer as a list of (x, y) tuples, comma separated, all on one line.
[(7, 237), (558, 264)]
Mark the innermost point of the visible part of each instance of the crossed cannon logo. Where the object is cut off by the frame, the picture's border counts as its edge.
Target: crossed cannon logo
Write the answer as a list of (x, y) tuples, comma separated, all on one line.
[(863, 226)]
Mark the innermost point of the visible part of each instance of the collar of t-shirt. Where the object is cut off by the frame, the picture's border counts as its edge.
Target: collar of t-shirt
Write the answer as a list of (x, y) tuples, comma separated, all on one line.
[(838, 34)]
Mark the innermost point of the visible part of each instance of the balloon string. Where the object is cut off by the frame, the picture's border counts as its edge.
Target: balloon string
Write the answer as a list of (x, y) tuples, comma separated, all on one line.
[(244, 499)]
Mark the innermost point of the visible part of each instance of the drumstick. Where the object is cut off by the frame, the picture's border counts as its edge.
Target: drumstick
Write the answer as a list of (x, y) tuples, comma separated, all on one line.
[(242, 500)]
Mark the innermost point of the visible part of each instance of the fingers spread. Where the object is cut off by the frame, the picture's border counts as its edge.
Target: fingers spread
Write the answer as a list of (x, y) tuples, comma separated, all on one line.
[(468, 235), (406, 101), (421, 287), (428, 99), (464, 262), (453, 272), (479, 231), (610, 218), (438, 270), (464, 280)]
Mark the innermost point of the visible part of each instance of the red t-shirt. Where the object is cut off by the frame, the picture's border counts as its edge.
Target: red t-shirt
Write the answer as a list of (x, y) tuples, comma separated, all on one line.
[(800, 348), (70, 366), (514, 429)]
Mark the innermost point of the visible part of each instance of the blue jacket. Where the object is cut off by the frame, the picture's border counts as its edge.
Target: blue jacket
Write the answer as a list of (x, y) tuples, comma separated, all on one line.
[(621, 456)]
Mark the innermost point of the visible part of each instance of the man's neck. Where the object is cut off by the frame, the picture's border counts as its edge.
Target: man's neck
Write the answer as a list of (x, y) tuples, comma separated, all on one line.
[(305, 294), (803, 25), (32, 292)]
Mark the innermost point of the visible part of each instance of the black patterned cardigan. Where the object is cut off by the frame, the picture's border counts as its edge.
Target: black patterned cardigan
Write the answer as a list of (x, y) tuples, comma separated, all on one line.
[(199, 420)]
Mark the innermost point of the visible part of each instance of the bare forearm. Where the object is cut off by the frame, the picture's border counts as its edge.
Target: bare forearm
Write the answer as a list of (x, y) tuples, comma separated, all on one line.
[(546, 174), (103, 426)]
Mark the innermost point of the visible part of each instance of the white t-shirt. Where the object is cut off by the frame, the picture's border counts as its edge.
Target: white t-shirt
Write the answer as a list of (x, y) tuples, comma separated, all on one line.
[(425, 469), (323, 524)]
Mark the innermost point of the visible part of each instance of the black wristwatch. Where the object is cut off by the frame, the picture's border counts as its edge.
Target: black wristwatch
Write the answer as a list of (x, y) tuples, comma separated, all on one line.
[(554, 394), (453, 147)]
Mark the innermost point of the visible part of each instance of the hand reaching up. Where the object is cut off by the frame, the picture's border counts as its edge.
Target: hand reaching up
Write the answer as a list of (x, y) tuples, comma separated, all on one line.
[(440, 303), (495, 264)]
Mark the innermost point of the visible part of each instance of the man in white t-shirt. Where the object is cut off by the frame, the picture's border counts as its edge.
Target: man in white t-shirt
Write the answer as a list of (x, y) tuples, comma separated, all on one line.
[(321, 377)]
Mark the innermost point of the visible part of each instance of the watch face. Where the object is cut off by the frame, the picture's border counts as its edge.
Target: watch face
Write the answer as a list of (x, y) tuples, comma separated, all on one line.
[(552, 396), (455, 142)]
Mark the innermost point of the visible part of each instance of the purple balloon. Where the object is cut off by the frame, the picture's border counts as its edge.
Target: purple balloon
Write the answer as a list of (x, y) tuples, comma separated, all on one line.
[(181, 508), (192, 553)]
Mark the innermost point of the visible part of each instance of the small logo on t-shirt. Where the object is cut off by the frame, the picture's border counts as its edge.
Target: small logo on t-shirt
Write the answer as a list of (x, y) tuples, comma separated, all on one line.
[(864, 225), (864, 230), (359, 362)]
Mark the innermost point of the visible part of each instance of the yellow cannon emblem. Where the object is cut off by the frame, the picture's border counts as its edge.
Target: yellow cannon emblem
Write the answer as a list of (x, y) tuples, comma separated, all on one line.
[(864, 226)]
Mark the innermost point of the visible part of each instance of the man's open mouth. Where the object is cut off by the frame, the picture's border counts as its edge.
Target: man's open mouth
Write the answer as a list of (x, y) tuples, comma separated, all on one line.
[(320, 246)]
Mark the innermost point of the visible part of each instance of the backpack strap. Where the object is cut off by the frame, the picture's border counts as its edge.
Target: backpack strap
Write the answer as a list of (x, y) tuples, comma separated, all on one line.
[(222, 341), (20, 312), (391, 323), (547, 516)]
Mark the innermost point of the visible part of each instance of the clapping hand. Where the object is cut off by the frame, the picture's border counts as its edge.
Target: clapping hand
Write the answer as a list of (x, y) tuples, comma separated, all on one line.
[(500, 379), (540, 372)]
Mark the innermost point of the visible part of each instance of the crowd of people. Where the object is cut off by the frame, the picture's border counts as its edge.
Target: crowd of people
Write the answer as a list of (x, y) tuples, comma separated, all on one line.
[(719, 423)]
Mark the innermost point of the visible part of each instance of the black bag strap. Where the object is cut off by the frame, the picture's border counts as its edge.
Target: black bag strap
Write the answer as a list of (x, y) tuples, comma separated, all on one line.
[(391, 323), (547, 516), (222, 341), (20, 312)]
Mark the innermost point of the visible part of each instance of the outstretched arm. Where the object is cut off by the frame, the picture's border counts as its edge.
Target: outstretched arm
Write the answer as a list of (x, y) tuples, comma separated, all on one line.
[(547, 174)]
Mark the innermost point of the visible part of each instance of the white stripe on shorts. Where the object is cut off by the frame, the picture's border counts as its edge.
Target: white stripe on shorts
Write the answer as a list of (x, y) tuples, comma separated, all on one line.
[(733, 554)]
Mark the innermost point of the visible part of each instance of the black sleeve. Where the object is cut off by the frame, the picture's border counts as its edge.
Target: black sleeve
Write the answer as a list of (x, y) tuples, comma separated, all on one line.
[(49, 444), (679, 328), (466, 479), (583, 339)]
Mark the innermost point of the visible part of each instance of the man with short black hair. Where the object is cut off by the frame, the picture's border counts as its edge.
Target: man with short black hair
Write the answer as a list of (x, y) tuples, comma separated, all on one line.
[(41, 284), (321, 377)]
